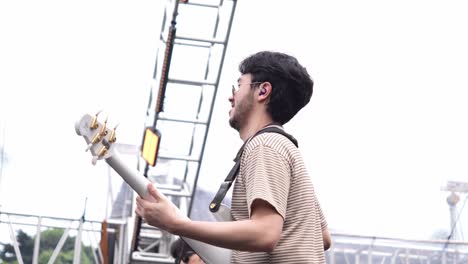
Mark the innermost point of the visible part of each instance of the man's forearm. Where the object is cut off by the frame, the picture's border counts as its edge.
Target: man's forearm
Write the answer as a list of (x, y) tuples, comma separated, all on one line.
[(246, 235)]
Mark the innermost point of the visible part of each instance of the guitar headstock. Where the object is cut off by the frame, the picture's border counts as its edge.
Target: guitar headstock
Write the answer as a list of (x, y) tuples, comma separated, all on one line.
[(99, 138)]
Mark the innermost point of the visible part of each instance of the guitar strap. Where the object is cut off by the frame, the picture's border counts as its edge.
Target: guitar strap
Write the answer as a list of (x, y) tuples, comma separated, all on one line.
[(224, 188)]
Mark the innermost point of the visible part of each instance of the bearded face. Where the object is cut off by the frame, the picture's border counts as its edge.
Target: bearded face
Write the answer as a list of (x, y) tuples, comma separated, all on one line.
[(242, 104)]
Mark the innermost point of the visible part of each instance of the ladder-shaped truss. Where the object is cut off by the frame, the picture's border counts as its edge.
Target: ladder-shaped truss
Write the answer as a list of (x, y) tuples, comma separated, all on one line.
[(193, 42)]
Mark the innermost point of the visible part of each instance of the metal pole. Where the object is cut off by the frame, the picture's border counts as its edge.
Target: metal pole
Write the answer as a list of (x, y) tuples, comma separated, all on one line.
[(59, 246), (37, 241), (15, 243), (77, 253), (452, 201)]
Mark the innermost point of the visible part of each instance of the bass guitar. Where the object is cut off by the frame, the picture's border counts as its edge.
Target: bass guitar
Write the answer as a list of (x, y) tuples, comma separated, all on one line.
[(100, 141)]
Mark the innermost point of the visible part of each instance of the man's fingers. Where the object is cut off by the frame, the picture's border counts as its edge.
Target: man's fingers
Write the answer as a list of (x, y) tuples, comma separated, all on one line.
[(139, 201), (139, 206), (154, 192)]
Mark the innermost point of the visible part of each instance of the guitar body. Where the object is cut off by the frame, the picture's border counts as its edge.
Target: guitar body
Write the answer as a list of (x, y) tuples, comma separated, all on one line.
[(100, 141)]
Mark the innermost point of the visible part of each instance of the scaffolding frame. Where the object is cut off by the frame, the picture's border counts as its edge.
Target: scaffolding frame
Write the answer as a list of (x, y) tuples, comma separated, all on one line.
[(189, 61)]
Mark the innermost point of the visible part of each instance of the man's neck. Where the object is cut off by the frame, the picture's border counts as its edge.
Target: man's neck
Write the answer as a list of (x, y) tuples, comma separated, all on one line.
[(253, 126)]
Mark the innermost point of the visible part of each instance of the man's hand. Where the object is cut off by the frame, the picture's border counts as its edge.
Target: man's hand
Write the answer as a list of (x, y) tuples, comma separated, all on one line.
[(158, 211)]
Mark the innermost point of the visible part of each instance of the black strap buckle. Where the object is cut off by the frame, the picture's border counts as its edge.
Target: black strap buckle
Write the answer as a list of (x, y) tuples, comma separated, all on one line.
[(223, 189)]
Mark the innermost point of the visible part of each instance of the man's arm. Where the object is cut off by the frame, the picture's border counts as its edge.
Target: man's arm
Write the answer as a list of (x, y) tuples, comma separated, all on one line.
[(259, 233), (326, 239)]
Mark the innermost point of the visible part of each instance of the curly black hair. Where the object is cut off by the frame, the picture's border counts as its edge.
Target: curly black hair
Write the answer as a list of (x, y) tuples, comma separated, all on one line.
[(292, 85)]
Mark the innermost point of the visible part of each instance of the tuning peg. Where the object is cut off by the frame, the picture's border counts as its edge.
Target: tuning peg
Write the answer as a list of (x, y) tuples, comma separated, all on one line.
[(89, 147), (94, 160), (102, 151), (95, 139), (112, 137), (103, 131), (94, 123)]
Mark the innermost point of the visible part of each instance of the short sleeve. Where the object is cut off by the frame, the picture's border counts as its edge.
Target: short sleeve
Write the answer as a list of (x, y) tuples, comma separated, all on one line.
[(267, 176)]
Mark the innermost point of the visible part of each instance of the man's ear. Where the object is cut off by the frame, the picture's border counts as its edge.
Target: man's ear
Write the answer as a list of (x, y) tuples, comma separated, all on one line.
[(264, 91)]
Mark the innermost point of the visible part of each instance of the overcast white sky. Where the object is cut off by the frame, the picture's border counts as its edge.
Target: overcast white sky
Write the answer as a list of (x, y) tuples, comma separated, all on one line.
[(385, 130)]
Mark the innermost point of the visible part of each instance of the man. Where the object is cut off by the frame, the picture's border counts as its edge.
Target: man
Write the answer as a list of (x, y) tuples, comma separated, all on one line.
[(278, 218), (184, 254)]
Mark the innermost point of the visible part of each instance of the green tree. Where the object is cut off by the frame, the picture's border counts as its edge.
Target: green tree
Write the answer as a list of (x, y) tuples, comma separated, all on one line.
[(49, 240), (26, 245)]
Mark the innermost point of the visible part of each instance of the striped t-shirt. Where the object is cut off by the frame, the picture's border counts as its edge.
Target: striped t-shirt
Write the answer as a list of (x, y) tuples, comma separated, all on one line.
[(272, 169)]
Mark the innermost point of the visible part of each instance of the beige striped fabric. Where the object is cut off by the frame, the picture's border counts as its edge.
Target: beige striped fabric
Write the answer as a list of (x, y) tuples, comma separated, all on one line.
[(272, 169)]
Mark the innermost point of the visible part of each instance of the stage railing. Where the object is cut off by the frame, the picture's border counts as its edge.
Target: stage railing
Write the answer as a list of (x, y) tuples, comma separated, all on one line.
[(84, 232), (356, 249)]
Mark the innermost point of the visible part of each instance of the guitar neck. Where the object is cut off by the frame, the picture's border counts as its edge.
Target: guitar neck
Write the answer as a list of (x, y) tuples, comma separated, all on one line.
[(133, 177)]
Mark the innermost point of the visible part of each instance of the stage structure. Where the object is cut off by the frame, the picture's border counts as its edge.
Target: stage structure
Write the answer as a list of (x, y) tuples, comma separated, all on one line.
[(192, 47)]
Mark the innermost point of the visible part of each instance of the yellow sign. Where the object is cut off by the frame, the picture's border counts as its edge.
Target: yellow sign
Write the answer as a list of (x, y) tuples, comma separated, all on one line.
[(150, 146)]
